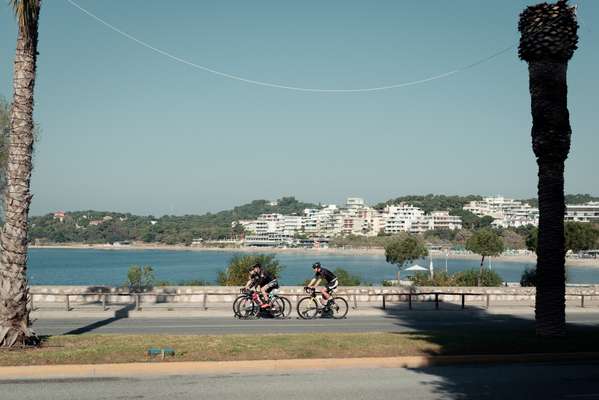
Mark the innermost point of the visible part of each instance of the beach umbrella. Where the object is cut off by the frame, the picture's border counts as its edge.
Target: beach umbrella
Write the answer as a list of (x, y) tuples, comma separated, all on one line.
[(416, 267)]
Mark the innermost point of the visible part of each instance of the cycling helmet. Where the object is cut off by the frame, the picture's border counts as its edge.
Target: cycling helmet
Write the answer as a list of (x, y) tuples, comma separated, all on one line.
[(316, 265), (257, 265)]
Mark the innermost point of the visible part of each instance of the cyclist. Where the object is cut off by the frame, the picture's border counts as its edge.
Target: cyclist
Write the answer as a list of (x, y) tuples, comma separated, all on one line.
[(263, 279), (253, 277), (332, 282), (268, 283)]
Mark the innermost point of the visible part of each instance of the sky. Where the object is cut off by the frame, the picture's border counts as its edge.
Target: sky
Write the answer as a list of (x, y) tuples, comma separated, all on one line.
[(126, 129)]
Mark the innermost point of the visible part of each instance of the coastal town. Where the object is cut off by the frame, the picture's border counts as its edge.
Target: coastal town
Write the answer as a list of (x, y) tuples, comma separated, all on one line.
[(359, 219)]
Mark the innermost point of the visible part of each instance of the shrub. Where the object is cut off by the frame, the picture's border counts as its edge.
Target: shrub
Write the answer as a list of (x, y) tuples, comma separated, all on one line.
[(139, 278), (441, 278), (472, 277), (345, 278), (387, 283), (236, 273), (529, 277)]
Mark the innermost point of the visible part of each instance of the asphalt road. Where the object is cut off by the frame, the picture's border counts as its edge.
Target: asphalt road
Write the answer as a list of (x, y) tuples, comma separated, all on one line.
[(511, 381), (401, 322)]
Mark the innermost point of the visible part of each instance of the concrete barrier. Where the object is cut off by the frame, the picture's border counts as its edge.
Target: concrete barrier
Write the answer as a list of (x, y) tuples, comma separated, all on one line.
[(206, 295)]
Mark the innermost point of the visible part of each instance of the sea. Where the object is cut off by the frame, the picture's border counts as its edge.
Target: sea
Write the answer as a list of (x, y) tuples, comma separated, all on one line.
[(109, 267)]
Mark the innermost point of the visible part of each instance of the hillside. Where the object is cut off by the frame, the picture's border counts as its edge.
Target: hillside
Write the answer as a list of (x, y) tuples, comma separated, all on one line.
[(101, 227)]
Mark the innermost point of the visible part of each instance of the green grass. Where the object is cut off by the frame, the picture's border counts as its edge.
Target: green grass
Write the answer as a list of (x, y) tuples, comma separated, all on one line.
[(92, 349)]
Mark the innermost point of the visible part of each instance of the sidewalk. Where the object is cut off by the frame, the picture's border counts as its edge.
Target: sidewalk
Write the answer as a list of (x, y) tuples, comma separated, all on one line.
[(224, 310), (154, 369)]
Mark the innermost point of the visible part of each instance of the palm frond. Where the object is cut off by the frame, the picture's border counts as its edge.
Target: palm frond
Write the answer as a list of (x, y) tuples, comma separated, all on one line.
[(27, 14)]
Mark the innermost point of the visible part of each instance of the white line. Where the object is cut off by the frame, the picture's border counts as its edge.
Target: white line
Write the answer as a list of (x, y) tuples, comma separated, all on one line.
[(279, 86)]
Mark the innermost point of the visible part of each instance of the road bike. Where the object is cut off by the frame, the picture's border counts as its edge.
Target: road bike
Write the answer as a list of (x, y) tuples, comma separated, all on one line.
[(311, 306), (247, 305)]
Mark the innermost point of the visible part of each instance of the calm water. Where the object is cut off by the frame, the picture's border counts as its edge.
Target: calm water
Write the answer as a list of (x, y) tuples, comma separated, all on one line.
[(109, 267)]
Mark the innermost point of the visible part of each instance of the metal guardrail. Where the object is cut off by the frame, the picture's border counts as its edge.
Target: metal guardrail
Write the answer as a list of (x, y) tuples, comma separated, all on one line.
[(350, 296)]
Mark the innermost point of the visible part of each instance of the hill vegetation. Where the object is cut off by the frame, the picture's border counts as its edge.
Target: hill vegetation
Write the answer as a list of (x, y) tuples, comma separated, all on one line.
[(109, 227), (97, 227)]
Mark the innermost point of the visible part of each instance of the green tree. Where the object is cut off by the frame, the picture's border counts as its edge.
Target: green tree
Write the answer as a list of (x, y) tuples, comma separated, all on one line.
[(236, 273), (14, 292), (549, 37), (405, 250), (486, 243), (578, 236), (139, 278)]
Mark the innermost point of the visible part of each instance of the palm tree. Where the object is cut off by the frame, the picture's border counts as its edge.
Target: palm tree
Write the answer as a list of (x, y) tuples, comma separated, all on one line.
[(549, 39), (14, 293)]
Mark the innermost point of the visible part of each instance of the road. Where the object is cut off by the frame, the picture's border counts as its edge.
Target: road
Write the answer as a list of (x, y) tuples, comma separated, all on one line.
[(401, 322), (512, 381)]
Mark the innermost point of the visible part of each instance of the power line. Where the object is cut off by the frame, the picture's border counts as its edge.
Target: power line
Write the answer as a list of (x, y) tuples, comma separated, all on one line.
[(280, 86)]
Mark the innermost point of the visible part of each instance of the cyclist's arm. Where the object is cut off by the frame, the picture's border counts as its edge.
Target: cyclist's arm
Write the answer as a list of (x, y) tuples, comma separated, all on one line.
[(314, 282), (249, 284)]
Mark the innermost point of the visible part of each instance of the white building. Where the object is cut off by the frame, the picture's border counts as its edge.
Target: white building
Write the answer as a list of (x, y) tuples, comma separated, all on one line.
[(588, 212), (400, 218), (506, 212), (442, 220)]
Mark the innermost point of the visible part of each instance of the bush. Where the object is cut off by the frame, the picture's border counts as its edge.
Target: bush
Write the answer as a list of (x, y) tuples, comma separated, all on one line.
[(387, 283), (139, 278), (345, 278), (471, 278), (529, 277), (238, 269), (439, 279)]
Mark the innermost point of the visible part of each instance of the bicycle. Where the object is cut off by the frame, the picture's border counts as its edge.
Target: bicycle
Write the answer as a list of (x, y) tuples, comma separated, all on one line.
[(310, 307), (247, 305)]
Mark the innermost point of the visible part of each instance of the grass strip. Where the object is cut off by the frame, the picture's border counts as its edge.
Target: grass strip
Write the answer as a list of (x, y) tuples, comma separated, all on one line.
[(112, 348)]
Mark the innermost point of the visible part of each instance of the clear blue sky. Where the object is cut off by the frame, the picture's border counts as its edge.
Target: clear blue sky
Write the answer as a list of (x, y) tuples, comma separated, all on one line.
[(126, 129)]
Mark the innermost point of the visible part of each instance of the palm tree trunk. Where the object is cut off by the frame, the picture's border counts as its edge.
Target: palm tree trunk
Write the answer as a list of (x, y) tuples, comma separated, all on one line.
[(551, 143), (14, 293), (480, 272)]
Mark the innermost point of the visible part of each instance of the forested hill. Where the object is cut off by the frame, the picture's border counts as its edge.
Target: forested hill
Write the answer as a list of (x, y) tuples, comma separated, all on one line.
[(433, 202), (102, 227)]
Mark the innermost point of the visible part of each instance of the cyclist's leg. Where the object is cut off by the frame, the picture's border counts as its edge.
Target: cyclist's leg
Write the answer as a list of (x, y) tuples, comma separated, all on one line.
[(267, 289), (325, 296)]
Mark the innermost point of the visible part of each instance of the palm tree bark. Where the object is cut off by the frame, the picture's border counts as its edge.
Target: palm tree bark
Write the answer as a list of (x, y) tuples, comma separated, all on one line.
[(549, 38), (14, 294), (551, 143)]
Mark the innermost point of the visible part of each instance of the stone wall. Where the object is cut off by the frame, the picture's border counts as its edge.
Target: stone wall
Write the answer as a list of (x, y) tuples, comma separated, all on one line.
[(220, 294)]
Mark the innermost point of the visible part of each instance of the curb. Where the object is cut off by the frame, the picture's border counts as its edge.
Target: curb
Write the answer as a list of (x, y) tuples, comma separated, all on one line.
[(150, 369)]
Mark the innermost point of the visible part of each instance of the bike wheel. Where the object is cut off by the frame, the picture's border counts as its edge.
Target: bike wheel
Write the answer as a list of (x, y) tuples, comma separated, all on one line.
[(307, 308), (236, 305), (288, 308), (339, 307), (277, 307), (247, 308)]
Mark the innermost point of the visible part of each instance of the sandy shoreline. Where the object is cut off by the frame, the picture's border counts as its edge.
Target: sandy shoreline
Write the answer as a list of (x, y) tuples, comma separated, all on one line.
[(327, 251)]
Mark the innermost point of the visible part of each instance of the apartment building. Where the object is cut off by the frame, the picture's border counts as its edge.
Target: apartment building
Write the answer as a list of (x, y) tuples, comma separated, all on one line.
[(588, 212)]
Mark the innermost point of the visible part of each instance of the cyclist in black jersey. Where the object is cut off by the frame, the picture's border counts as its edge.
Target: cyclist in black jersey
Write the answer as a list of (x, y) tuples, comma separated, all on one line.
[(263, 279), (320, 274), (253, 277)]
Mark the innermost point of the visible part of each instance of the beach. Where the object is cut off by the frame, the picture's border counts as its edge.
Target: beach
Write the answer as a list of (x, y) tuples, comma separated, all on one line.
[(531, 258)]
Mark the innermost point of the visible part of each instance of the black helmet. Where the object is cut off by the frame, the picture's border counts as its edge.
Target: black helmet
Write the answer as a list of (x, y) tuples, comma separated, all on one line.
[(316, 265), (257, 265)]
